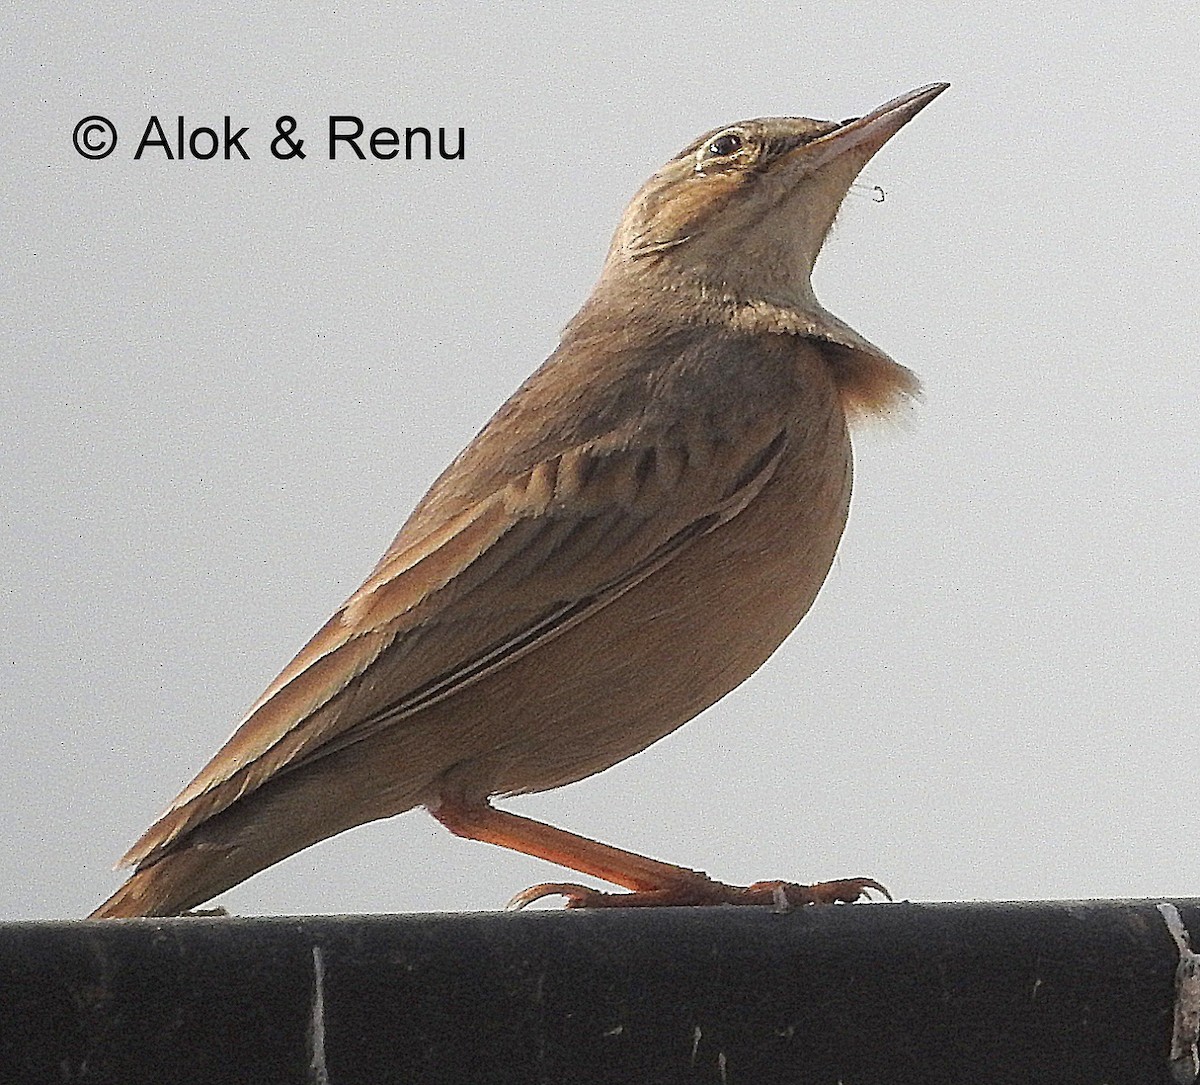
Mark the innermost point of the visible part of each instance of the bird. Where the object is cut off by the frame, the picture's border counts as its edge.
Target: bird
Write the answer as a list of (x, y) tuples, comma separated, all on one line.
[(628, 538)]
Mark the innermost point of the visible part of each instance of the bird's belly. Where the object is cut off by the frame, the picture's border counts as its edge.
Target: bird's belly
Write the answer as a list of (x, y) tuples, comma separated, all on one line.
[(659, 654)]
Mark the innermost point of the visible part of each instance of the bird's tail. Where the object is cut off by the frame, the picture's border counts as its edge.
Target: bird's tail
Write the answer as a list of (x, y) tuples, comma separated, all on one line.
[(180, 880), (279, 819)]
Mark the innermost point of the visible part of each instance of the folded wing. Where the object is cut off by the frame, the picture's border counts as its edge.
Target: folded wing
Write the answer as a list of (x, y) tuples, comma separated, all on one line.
[(487, 584)]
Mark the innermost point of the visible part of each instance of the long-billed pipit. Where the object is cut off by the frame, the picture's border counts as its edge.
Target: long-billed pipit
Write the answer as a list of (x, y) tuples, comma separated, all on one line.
[(631, 535)]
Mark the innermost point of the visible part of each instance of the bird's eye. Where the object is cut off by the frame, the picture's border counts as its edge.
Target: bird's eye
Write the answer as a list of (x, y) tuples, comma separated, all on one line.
[(724, 145)]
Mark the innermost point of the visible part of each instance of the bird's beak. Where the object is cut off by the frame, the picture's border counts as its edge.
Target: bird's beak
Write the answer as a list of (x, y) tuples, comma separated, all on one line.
[(862, 137), (810, 181), (754, 235)]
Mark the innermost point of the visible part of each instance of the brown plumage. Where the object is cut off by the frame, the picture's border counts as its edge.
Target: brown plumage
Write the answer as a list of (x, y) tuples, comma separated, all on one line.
[(631, 535)]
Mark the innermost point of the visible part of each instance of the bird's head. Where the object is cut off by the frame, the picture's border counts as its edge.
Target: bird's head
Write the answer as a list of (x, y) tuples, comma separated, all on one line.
[(742, 212)]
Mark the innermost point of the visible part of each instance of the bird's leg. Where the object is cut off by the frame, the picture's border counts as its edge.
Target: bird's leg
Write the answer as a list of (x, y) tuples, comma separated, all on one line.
[(651, 883), (481, 821)]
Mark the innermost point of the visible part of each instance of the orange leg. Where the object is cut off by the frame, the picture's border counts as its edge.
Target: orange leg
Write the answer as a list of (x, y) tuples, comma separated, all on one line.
[(650, 882)]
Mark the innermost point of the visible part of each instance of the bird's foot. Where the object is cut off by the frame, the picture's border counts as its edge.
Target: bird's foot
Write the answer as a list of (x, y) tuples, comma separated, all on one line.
[(702, 892), (788, 895)]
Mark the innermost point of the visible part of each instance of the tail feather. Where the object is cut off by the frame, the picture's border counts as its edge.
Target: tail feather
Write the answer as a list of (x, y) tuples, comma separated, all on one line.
[(178, 881), (284, 816)]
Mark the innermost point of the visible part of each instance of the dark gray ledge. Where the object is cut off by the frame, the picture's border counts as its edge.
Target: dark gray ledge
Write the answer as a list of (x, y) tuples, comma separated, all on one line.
[(1049, 992)]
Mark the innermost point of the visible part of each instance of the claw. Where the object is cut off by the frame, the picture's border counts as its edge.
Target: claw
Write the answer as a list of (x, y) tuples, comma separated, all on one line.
[(702, 891), (843, 891), (574, 893)]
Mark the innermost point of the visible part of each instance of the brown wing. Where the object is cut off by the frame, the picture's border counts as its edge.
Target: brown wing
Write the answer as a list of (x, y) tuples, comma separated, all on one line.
[(488, 584)]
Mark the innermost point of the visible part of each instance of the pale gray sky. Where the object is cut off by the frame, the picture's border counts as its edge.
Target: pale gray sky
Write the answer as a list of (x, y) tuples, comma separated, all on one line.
[(226, 383)]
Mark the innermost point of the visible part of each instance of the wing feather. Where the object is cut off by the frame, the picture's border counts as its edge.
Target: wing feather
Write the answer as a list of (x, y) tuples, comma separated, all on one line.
[(485, 586)]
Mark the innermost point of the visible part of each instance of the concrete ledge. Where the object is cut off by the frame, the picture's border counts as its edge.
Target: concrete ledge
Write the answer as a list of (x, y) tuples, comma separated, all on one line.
[(1051, 992)]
